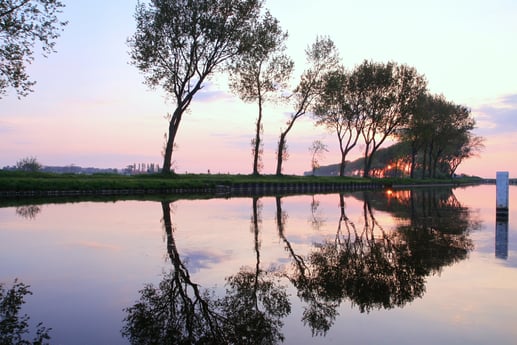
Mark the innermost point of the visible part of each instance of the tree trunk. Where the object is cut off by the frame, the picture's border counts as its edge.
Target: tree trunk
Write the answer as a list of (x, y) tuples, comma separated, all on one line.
[(413, 161), (280, 153), (342, 165), (173, 130), (366, 169), (256, 153), (424, 162)]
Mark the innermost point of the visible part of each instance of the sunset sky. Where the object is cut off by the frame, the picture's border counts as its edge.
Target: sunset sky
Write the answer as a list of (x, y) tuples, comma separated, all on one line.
[(91, 108)]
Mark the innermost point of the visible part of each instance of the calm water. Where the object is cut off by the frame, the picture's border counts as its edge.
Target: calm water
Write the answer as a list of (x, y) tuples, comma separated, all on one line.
[(425, 266)]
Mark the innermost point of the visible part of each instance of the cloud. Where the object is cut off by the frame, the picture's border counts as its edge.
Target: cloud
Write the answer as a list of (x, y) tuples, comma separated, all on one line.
[(497, 117), (211, 92), (197, 260), (97, 245)]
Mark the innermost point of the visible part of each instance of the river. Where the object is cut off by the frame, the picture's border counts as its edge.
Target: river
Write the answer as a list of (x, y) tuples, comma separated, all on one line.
[(426, 266)]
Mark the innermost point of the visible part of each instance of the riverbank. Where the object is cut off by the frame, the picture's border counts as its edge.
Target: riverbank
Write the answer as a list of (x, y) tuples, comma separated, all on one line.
[(24, 184)]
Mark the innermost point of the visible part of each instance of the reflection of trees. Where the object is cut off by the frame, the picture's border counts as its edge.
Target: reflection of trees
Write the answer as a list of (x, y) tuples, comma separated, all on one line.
[(370, 267), (375, 268), (319, 313), (179, 311), (316, 219), (255, 303), (14, 327), (434, 224), (28, 212)]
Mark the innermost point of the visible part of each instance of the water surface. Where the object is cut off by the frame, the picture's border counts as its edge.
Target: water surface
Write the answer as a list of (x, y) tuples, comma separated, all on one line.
[(424, 266)]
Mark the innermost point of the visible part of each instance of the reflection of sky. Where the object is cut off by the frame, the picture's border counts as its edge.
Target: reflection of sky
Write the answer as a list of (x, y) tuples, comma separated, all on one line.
[(85, 262)]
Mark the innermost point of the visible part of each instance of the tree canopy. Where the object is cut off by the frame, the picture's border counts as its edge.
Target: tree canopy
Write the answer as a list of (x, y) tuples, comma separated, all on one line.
[(178, 44), (321, 56), (24, 26), (261, 74)]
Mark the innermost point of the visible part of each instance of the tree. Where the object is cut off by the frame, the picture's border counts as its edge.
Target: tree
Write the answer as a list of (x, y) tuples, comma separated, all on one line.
[(25, 25), (388, 97), (261, 73), (417, 130), (321, 56), (179, 44), (466, 146), (451, 138), (339, 109), (28, 164), (317, 149), (440, 135)]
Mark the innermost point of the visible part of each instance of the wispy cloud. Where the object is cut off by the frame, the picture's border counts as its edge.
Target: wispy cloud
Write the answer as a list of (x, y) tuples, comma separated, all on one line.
[(497, 117), (97, 245), (197, 260), (211, 92)]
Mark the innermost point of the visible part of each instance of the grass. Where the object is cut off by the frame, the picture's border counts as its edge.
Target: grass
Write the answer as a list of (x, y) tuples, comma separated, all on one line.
[(37, 181)]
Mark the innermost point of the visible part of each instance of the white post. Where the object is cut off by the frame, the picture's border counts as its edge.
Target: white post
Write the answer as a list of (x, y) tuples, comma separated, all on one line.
[(502, 183)]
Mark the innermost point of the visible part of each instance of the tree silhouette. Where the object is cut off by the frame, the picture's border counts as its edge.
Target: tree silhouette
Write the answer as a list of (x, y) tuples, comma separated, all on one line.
[(13, 327), (179, 311), (180, 44), (24, 26), (372, 267)]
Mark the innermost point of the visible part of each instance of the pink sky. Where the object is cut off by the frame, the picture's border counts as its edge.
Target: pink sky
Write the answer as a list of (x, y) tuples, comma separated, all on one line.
[(90, 107)]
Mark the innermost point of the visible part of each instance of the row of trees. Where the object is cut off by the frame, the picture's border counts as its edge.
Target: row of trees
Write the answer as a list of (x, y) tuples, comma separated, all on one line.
[(377, 101), (179, 44)]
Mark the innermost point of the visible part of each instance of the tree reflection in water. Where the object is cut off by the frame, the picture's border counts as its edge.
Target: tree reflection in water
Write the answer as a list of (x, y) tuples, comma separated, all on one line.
[(378, 269), (364, 263), (178, 311), (14, 328), (28, 211)]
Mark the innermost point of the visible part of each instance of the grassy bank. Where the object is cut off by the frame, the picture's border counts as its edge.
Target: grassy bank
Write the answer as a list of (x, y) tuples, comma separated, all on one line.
[(15, 181)]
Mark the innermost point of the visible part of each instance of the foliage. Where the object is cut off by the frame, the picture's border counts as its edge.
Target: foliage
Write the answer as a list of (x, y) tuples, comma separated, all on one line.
[(30, 164), (338, 109), (440, 136), (14, 327), (25, 25), (179, 44), (179, 311), (261, 74), (388, 95), (374, 268), (322, 56)]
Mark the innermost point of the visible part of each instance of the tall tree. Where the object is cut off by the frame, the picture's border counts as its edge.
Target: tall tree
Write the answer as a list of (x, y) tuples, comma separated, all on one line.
[(24, 26), (339, 109), (322, 56), (452, 133), (389, 94), (417, 130), (179, 44), (261, 74), (440, 136)]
